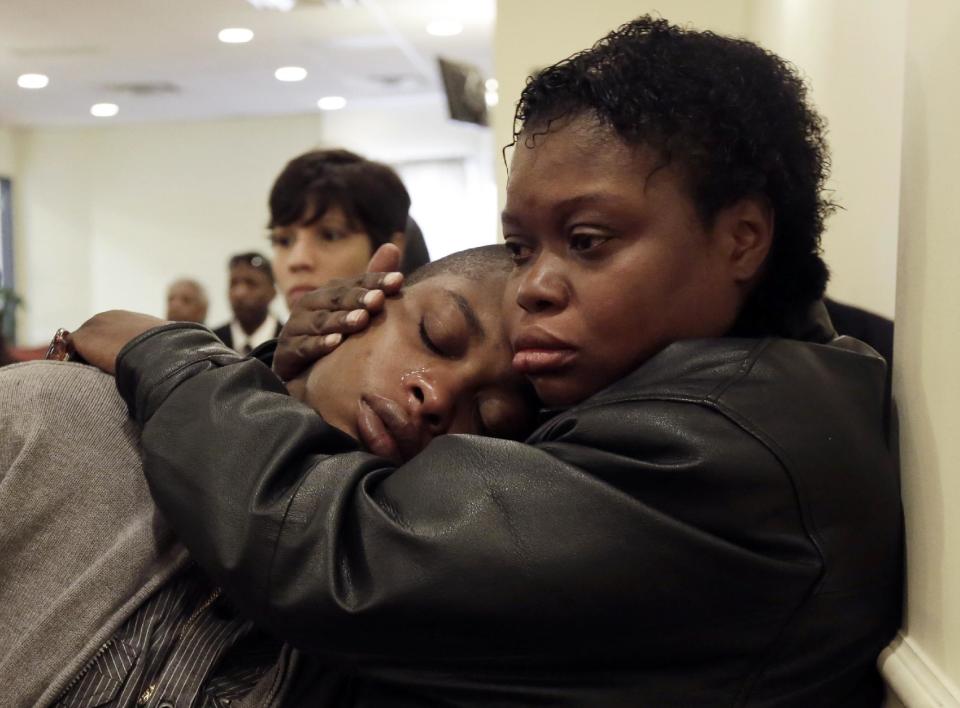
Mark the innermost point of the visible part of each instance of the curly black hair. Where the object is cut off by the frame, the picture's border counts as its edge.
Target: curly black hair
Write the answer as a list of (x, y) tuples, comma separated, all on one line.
[(735, 119)]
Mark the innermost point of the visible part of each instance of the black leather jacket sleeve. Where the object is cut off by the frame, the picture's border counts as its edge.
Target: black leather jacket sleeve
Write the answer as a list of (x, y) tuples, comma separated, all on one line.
[(608, 537)]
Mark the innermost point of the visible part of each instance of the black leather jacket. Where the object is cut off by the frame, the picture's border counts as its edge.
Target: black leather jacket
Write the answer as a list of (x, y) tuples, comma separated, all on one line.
[(720, 528)]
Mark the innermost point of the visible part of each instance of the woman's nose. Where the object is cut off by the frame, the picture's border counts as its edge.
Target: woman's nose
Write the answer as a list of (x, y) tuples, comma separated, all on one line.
[(432, 401), (542, 288), (302, 254)]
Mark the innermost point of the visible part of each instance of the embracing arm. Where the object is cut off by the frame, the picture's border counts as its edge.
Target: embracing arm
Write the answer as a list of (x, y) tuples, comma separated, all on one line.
[(474, 549)]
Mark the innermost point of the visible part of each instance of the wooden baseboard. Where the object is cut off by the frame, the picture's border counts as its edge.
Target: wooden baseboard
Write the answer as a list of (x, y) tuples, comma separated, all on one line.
[(913, 681)]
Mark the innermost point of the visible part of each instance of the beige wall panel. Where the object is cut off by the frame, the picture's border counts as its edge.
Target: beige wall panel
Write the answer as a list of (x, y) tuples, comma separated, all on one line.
[(7, 157), (851, 54), (926, 380)]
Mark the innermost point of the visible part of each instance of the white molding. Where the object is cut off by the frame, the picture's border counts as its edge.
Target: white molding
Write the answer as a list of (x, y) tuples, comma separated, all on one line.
[(913, 678)]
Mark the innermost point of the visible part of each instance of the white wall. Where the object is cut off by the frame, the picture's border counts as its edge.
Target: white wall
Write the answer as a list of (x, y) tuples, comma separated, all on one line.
[(851, 53), (447, 166), (925, 666), (107, 217), (52, 235)]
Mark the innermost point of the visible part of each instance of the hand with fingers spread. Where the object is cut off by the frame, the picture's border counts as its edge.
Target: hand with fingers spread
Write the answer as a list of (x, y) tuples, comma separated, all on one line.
[(321, 318)]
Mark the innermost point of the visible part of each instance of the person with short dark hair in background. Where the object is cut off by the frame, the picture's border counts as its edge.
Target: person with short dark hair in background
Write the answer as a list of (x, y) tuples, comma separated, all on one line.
[(329, 211), (186, 301), (251, 292)]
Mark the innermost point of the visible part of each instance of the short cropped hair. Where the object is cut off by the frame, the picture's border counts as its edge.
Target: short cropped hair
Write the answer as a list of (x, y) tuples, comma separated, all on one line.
[(195, 284), (735, 119), (473, 263), (370, 193), (254, 260)]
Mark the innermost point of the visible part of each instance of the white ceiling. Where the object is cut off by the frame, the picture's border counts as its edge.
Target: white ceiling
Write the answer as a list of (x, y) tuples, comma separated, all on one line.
[(365, 50)]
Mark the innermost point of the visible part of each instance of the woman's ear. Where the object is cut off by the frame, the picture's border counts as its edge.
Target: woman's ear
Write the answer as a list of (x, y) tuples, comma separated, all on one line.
[(747, 228)]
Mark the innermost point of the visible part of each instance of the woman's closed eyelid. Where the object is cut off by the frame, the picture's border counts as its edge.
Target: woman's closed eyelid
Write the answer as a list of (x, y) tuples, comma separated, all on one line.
[(450, 335), (427, 339), (443, 336)]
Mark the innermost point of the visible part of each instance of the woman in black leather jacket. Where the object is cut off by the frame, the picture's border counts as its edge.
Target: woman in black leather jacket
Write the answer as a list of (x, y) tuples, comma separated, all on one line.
[(708, 516)]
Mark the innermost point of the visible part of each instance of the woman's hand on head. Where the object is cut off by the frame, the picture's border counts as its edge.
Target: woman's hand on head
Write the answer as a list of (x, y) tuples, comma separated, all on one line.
[(321, 318), (100, 339)]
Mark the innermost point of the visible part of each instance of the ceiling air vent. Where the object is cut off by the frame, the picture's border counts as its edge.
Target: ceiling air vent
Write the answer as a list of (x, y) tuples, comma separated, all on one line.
[(55, 52), (144, 88), (400, 82)]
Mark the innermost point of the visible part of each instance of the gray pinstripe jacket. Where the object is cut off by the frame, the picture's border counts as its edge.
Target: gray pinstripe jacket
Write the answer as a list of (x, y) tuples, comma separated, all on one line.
[(81, 543)]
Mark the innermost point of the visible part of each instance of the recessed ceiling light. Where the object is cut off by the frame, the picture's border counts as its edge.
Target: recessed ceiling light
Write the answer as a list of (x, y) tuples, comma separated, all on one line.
[(492, 85), (32, 81), (235, 35), (290, 73), (491, 98), (444, 28), (104, 110), (331, 103)]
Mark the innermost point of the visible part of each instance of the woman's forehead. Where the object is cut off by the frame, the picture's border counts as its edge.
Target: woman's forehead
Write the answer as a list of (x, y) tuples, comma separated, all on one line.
[(475, 298)]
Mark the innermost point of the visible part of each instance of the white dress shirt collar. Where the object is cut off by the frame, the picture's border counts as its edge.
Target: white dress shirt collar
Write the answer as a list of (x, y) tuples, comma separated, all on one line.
[(264, 333)]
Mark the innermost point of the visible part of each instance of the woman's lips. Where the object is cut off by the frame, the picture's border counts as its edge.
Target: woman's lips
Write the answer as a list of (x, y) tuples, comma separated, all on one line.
[(374, 434), (294, 294), (385, 428), (539, 362), (538, 352)]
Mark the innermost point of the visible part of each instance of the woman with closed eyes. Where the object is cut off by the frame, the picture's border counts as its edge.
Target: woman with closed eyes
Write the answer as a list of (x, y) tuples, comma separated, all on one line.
[(92, 581)]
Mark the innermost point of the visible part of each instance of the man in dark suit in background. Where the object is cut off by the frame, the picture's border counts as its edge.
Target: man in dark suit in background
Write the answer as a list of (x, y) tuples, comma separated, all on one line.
[(186, 301), (251, 292)]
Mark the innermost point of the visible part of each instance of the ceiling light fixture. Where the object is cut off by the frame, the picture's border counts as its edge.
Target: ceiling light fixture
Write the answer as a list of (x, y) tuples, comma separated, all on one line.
[(444, 28), (491, 85), (235, 35), (104, 110), (33, 81), (331, 103), (290, 73)]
